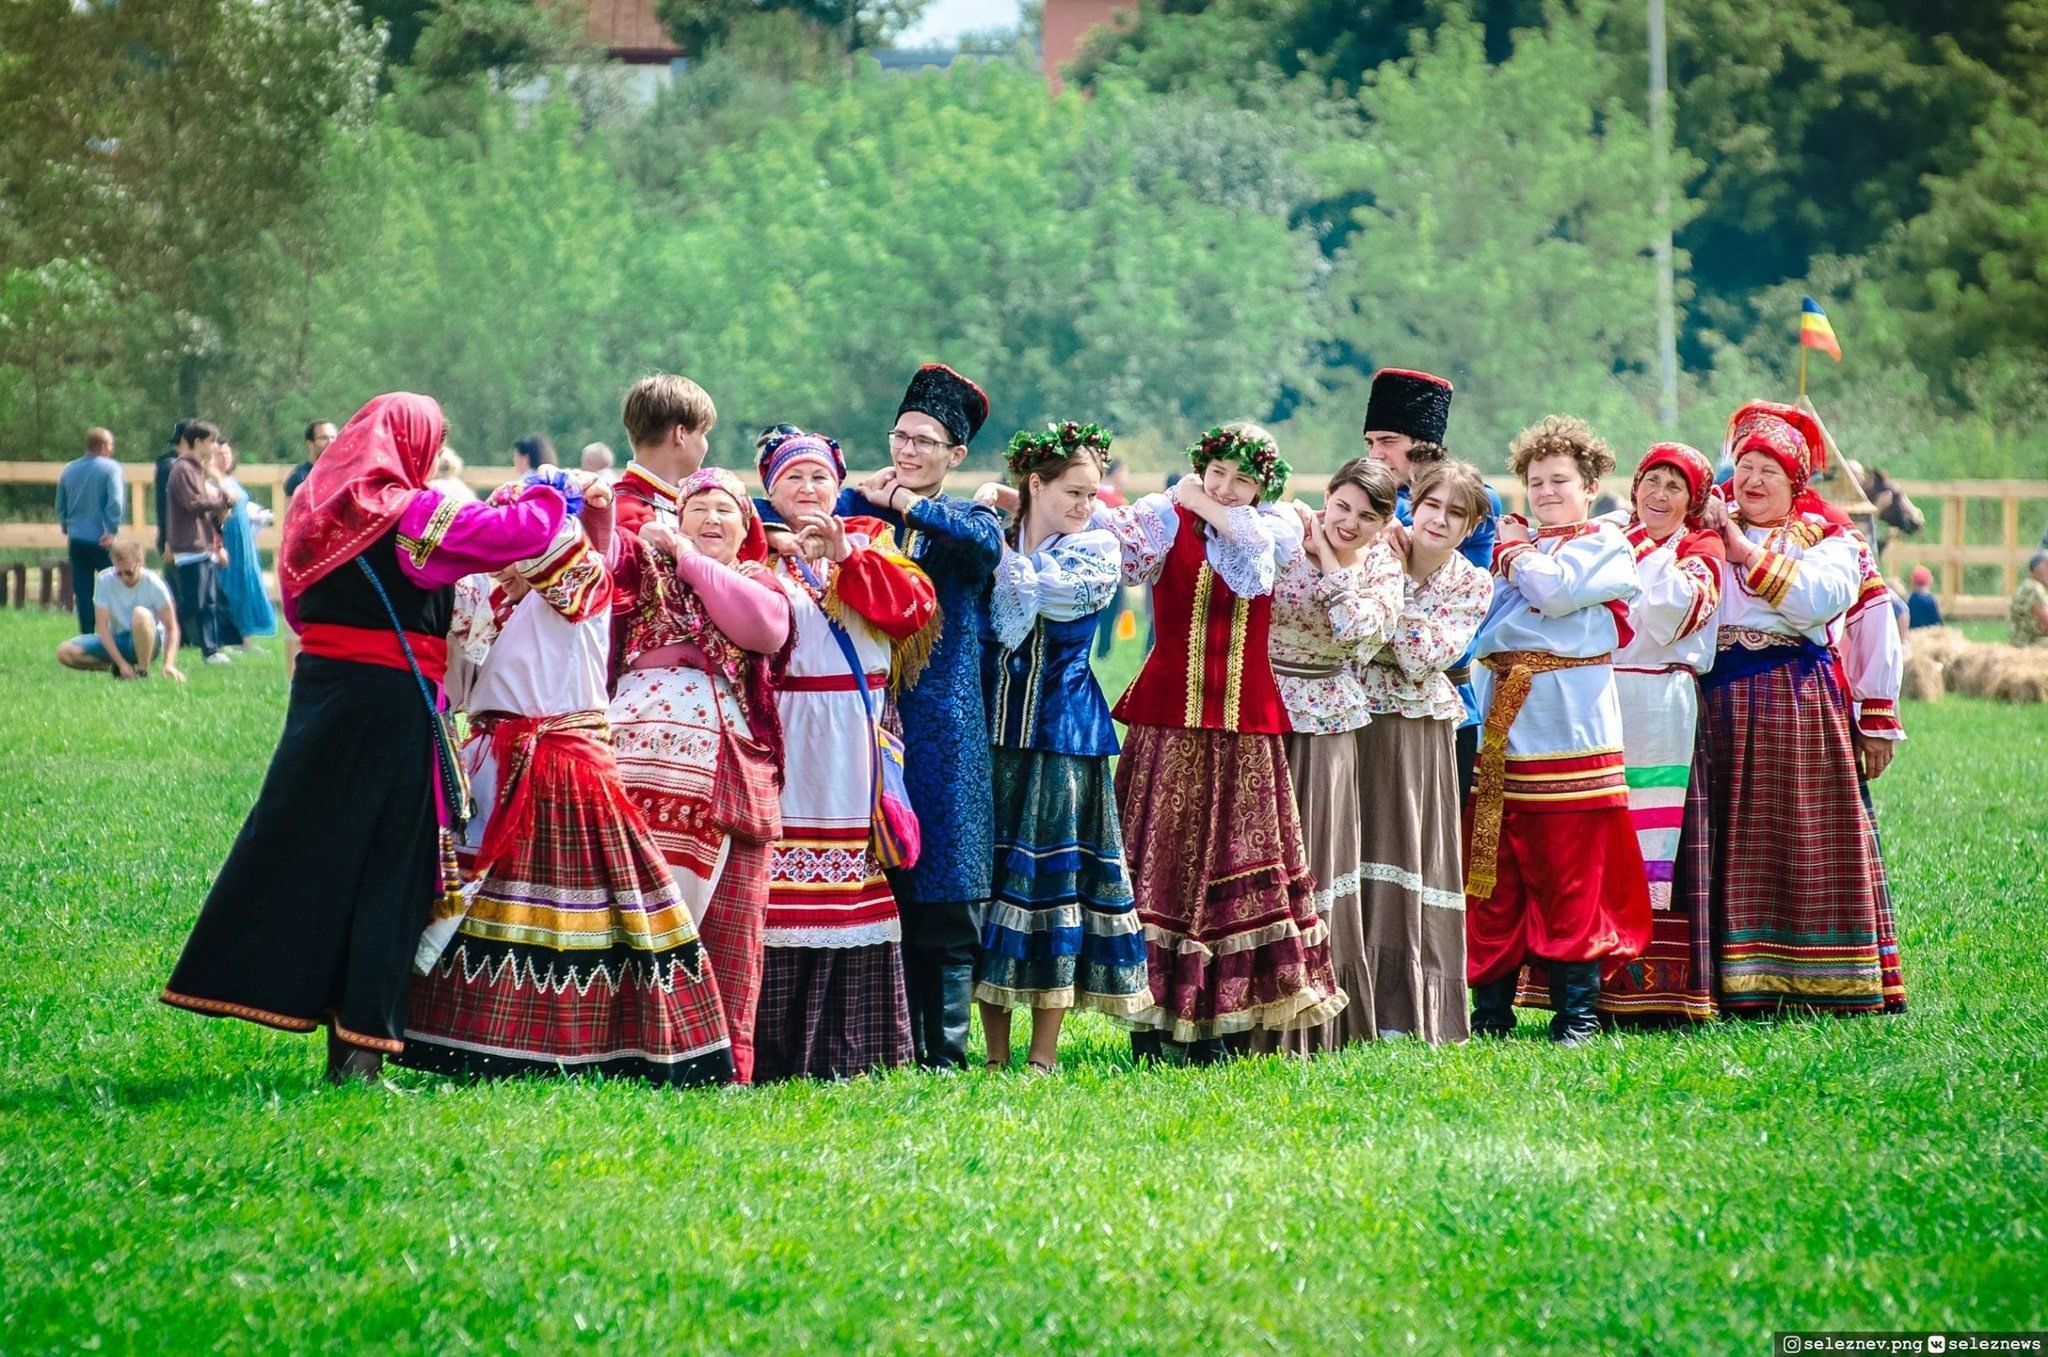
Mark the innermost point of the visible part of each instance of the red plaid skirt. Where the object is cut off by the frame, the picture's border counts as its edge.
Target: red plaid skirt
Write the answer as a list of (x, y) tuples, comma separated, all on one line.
[(1779, 852), (1224, 891), (578, 953)]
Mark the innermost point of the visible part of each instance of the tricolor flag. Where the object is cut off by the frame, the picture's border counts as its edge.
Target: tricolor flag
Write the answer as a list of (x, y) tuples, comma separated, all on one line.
[(1814, 330)]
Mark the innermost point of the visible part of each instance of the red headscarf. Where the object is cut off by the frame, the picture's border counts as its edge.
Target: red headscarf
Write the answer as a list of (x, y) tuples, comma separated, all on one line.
[(1691, 465), (359, 487), (1789, 434)]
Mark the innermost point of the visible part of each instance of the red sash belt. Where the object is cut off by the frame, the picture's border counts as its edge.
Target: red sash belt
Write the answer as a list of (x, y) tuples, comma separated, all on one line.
[(829, 683), (583, 737), (375, 645)]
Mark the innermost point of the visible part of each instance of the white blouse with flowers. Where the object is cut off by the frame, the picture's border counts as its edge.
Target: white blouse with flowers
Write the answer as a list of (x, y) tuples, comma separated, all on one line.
[(1439, 618), (1322, 623)]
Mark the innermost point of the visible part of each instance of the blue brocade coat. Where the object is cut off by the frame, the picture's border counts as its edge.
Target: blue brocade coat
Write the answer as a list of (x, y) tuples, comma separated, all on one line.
[(945, 716)]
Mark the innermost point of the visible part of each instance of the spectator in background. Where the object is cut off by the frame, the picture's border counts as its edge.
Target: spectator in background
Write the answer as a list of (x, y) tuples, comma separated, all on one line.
[(89, 507), (531, 453), (197, 502), (318, 435), (2028, 615), (224, 629), (597, 459), (132, 616), (447, 479), (245, 603), (164, 464), (1922, 610)]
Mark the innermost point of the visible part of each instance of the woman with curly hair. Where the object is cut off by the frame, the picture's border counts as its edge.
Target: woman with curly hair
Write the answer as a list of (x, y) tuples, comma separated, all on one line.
[(1552, 868), (1062, 929), (1215, 849)]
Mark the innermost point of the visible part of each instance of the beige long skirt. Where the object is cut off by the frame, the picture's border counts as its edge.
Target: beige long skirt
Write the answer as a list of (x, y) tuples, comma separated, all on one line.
[(1379, 813)]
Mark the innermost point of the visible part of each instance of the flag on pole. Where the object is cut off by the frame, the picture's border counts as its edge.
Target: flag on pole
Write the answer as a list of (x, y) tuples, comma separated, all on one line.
[(1814, 330)]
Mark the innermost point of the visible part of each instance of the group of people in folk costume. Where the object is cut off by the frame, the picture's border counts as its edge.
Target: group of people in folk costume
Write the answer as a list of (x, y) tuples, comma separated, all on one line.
[(757, 790)]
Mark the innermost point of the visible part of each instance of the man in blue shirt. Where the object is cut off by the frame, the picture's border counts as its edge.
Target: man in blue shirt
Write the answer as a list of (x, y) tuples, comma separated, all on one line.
[(89, 499), (1405, 419)]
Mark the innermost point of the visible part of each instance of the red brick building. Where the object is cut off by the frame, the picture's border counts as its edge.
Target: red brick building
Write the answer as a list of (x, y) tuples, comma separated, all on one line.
[(1065, 23)]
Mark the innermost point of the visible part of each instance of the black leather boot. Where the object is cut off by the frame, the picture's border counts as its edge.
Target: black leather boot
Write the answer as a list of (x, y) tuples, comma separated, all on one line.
[(1575, 994), (919, 972), (1493, 1006), (1145, 1047), (946, 1021)]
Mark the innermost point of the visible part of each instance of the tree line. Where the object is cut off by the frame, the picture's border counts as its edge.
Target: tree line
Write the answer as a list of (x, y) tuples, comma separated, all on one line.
[(269, 211)]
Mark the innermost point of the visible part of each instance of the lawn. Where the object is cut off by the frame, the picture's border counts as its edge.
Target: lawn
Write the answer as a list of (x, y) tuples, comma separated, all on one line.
[(171, 1183)]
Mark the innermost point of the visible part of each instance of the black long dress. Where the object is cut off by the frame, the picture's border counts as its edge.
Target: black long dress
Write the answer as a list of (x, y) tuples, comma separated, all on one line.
[(315, 916)]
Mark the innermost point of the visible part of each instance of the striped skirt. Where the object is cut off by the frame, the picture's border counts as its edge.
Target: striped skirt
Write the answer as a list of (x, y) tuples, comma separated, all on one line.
[(1673, 978), (578, 953), (1780, 855), (1063, 930)]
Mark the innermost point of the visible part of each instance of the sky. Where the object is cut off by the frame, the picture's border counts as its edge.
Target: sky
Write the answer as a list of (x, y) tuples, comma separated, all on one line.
[(947, 19)]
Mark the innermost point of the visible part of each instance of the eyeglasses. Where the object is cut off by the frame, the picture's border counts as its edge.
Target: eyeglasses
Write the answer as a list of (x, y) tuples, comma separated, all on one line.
[(898, 440)]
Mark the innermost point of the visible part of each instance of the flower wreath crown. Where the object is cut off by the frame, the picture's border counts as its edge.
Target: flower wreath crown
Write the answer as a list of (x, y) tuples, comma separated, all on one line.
[(1260, 459), (1029, 448)]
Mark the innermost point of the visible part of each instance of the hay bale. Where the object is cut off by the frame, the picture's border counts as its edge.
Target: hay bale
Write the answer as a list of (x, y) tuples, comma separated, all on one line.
[(1974, 671), (2023, 684), (1922, 681), (1939, 644)]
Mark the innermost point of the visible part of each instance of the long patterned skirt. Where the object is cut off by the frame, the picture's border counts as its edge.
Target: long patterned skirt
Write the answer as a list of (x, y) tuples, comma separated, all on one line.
[(1399, 951), (832, 1013), (1673, 979), (666, 729), (1223, 886), (578, 953), (1063, 930), (1780, 854)]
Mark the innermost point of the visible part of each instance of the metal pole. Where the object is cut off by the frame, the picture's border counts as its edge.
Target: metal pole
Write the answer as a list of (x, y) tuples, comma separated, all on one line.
[(1667, 287)]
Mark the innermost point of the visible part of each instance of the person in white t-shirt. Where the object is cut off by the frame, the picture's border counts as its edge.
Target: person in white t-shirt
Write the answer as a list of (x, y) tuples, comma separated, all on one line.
[(134, 618)]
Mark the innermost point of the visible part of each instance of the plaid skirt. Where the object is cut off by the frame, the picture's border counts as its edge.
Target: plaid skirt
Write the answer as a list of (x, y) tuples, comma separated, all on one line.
[(831, 1012), (1063, 930), (578, 953), (1223, 885), (1779, 852)]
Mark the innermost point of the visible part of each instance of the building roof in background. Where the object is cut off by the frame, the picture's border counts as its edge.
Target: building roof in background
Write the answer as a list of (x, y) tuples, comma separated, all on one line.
[(628, 31)]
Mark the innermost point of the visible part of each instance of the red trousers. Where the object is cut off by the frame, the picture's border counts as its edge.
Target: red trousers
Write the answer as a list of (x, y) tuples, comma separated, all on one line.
[(1571, 888)]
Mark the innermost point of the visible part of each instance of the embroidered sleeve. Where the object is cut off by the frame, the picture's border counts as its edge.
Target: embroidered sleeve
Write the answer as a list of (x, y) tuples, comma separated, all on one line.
[(1075, 577), (1873, 656), (1438, 622), (1251, 546), (1144, 531), (1678, 597), (1583, 572), (569, 576), (475, 624), (441, 540), (1811, 589), (1364, 602)]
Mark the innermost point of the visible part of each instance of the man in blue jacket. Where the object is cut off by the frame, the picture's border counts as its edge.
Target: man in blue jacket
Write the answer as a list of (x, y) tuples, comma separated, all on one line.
[(945, 719), (89, 506)]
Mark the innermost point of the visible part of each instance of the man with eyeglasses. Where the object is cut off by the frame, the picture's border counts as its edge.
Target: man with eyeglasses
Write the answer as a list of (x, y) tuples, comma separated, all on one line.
[(945, 727)]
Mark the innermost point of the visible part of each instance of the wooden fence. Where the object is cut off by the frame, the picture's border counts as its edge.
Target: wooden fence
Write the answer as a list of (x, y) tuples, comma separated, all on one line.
[(1947, 547)]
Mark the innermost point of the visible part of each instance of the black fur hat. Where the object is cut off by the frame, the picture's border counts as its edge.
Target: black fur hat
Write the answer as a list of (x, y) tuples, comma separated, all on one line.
[(949, 398), (1412, 403)]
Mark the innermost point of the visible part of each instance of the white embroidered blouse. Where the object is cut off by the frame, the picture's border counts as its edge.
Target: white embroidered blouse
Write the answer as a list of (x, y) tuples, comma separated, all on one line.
[(1439, 617), (1321, 624)]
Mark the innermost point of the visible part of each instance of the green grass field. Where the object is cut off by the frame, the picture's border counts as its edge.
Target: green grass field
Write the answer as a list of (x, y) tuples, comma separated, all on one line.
[(173, 1184)]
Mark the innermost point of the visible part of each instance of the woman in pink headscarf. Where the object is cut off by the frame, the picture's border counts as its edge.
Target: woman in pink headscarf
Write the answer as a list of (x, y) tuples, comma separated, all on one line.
[(315, 917)]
